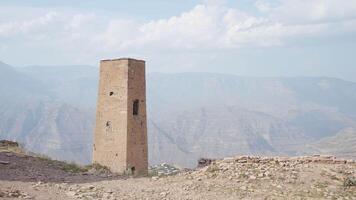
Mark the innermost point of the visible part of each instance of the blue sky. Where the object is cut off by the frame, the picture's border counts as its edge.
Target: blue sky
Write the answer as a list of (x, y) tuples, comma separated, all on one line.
[(244, 37)]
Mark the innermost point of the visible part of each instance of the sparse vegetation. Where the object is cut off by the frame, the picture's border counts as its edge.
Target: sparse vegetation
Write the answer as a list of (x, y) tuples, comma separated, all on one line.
[(10, 146), (73, 168), (65, 166), (41, 156), (98, 168)]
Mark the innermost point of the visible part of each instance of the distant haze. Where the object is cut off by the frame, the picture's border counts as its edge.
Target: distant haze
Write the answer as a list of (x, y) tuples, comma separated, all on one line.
[(51, 110), (245, 37), (261, 77)]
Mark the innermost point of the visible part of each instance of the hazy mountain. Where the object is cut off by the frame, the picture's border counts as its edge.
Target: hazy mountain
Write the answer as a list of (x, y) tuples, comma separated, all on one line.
[(202, 114), (278, 96), (57, 130), (341, 144), (75, 85), (31, 113), (52, 109), (18, 87), (220, 131)]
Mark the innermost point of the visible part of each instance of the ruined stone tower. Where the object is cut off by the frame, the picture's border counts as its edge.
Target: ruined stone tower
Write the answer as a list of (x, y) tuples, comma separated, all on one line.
[(120, 139)]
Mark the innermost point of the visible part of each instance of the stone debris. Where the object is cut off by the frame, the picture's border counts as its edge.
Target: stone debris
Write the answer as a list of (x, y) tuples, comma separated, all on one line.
[(14, 193), (280, 175), (203, 162), (164, 169), (253, 167), (87, 192), (241, 177)]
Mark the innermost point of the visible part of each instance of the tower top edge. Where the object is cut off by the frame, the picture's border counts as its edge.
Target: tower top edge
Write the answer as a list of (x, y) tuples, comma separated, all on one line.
[(118, 59)]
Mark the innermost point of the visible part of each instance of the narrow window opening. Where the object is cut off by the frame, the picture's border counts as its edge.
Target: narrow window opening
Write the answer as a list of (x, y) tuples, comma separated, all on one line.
[(111, 93), (135, 107)]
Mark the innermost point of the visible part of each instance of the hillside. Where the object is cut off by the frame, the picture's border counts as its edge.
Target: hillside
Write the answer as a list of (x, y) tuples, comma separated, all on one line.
[(343, 143), (16, 164), (190, 115)]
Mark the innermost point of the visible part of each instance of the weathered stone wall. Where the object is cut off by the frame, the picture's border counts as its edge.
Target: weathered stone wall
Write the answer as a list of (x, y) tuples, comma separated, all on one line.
[(120, 139), (137, 126)]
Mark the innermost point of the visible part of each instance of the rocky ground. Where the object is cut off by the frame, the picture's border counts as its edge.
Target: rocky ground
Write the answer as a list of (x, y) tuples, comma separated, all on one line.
[(24, 176), (314, 177)]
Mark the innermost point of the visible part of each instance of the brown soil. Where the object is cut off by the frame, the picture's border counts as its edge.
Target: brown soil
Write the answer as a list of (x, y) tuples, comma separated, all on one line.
[(25, 168)]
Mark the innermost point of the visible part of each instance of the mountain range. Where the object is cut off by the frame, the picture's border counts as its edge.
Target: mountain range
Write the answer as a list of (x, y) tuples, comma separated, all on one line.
[(51, 110)]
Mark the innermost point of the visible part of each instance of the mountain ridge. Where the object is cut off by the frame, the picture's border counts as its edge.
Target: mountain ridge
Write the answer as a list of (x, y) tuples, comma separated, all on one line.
[(190, 115)]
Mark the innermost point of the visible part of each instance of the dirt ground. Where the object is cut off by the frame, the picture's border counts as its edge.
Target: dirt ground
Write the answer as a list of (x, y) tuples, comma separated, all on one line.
[(315, 177), (25, 168)]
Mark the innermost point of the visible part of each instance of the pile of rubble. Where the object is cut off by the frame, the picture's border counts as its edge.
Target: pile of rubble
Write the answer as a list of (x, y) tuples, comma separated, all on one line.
[(203, 162), (315, 176), (88, 192), (253, 167), (164, 169), (14, 193), (242, 177)]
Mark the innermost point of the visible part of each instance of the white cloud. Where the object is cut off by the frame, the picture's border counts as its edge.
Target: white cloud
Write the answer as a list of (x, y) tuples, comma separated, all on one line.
[(208, 26), (27, 26), (199, 27), (214, 26)]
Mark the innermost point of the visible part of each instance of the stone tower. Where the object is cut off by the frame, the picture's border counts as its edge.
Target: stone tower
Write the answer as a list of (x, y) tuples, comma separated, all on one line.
[(120, 139)]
